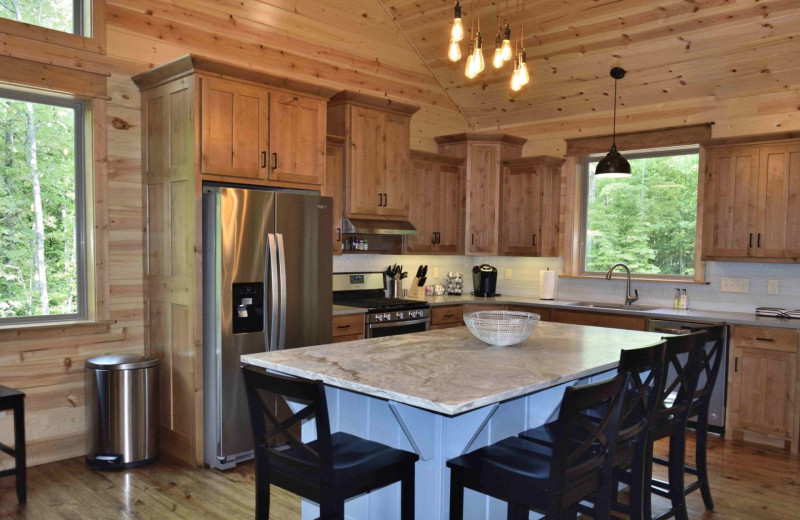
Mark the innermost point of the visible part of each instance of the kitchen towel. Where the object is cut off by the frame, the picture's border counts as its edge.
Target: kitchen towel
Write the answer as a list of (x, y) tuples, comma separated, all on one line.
[(547, 285)]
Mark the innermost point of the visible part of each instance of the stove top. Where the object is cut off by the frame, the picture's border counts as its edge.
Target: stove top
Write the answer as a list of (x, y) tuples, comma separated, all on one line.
[(383, 304)]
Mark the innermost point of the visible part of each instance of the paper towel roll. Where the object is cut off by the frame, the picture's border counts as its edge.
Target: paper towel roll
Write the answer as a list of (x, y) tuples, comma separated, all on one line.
[(547, 285)]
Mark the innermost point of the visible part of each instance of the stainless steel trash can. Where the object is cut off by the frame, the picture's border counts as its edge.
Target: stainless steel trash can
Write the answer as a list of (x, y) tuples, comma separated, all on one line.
[(121, 411)]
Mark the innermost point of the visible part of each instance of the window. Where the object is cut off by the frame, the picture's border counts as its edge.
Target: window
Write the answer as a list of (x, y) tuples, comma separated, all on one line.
[(59, 15), (646, 221), (79, 24), (42, 273)]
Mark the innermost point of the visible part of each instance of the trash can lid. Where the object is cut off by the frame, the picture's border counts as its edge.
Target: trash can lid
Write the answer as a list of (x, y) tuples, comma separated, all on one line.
[(122, 362)]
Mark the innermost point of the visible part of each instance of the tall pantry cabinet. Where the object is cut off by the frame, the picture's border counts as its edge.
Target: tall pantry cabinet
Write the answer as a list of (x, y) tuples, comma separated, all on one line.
[(204, 120)]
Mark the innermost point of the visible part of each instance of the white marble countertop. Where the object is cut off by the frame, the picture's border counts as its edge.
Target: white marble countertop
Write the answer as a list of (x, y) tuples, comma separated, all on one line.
[(450, 371), (734, 318)]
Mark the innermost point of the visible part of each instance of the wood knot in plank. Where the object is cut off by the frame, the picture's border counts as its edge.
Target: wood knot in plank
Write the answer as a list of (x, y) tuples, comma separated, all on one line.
[(120, 124)]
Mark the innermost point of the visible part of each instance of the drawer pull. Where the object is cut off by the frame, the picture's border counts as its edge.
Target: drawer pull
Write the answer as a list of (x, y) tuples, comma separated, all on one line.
[(449, 316), (764, 339), (343, 327)]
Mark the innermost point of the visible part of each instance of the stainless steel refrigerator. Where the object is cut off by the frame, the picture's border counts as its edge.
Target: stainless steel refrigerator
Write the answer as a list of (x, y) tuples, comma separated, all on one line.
[(267, 271)]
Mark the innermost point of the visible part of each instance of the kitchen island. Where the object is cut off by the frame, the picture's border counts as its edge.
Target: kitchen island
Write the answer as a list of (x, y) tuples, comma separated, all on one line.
[(442, 393)]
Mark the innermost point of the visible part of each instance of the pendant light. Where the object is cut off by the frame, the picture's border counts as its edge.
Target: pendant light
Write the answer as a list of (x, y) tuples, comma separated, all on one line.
[(497, 59), (454, 51), (524, 77), (614, 165), (506, 49), (457, 31)]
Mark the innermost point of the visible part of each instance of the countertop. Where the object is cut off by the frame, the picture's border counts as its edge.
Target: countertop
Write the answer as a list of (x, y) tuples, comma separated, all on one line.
[(450, 371), (735, 318)]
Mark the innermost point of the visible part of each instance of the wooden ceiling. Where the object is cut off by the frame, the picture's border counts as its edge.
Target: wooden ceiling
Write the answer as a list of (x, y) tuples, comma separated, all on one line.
[(676, 52)]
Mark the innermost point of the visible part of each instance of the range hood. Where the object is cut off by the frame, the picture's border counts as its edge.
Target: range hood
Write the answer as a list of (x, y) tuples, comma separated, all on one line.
[(366, 226)]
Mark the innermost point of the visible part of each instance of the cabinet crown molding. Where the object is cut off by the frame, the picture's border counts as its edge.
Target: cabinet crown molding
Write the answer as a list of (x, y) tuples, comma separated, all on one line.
[(381, 103), (435, 157), (474, 136), (534, 160)]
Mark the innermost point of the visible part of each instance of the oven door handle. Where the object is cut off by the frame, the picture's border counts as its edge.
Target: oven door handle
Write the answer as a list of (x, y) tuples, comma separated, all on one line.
[(384, 325)]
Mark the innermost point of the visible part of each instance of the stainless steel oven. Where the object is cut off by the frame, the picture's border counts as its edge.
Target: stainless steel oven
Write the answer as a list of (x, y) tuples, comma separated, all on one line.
[(716, 413)]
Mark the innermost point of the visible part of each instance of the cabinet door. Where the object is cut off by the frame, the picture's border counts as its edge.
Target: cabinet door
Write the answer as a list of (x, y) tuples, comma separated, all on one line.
[(233, 121), (597, 319), (365, 186), (778, 230), (549, 212), (296, 138), (522, 205), (762, 391), (334, 184), (730, 201), (483, 190), (422, 207), (396, 148), (449, 210)]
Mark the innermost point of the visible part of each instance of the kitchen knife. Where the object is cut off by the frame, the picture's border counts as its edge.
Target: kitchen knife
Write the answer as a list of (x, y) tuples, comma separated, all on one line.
[(419, 272), (422, 282), (425, 271)]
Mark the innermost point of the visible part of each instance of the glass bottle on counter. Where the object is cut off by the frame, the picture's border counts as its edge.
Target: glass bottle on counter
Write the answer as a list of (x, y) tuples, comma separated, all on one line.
[(676, 300), (684, 303)]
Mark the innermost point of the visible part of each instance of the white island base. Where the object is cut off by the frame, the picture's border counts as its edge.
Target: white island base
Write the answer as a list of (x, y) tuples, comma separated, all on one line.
[(443, 393)]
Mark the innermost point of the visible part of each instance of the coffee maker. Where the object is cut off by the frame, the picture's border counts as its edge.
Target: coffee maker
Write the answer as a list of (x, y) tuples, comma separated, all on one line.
[(484, 280)]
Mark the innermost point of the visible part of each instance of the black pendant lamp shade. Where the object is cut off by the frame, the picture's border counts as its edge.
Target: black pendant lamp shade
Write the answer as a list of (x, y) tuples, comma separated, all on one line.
[(614, 164)]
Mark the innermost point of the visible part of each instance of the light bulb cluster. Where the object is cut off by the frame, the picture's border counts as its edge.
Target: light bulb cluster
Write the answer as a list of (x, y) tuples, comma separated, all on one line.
[(503, 52)]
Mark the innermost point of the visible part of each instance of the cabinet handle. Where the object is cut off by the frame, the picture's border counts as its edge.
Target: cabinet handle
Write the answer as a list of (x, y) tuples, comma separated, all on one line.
[(765, 339), (449, 316), (343, 327), (533, 241), (274, 161), (758, 243), (751, 241), (433, 237), (473, 239), (736, 364), (339, 234), (385, 199), (263, 159), (438, 238), (380, 199)]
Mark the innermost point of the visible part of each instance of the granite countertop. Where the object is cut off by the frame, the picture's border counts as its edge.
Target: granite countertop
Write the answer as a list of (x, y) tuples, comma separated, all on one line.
[(735, 318), (450, 371)]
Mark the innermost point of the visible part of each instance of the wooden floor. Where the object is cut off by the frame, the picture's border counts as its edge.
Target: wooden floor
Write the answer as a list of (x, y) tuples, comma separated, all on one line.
[(749, 482)]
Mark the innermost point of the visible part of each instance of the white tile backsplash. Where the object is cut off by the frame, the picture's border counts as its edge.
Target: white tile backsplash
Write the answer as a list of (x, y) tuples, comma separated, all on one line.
[(525, 280)]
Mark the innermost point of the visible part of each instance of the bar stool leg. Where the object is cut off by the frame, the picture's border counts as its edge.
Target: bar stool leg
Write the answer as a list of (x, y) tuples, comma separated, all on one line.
[(677, 454), (700, 459), (19, 450), (456, 497)]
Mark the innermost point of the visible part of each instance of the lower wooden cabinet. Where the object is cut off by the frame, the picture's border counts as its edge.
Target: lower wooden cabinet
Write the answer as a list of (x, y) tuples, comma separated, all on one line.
[(762, 386), (598, 319), (543, 312), (348, 327), (475, 307), (447, 316)]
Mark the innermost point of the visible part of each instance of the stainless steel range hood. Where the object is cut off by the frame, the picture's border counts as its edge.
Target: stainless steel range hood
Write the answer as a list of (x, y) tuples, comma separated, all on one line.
[(378, 227)]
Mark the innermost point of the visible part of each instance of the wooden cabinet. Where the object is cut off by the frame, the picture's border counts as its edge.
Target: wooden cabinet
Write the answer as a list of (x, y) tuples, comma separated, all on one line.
[(234, 122), (348, 327), (750, 208), (543, 312), (530, 202), (201, 120), (334, 186), (435, 204), (377, 163), (483, 154), (447, 316), (475, 307), (297, 126), (597, 319), (762, 385)]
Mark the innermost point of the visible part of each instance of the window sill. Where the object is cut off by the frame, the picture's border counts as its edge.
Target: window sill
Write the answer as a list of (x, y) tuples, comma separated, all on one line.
[(634, 278), (32, 331)]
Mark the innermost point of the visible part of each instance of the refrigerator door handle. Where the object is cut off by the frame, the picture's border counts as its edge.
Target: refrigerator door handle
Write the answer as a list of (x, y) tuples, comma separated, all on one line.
[(271, 275), (282, 268)]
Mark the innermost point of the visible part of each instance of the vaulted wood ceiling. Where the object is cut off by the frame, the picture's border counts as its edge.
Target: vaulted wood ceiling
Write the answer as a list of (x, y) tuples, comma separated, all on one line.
[(681, 56)]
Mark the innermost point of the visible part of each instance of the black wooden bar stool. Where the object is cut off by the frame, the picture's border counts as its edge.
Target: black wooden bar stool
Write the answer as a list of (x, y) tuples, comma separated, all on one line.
[(11, 399)]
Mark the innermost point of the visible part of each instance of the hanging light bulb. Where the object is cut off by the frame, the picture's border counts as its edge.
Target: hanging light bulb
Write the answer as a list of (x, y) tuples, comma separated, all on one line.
[(497, 59), (454, 51), (524, 77), (469, 71), (477, 61), (515, 85), (506, 48), (457, 31)]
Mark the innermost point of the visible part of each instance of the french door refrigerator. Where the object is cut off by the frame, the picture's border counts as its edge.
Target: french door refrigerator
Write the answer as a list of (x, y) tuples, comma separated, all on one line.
[(267, 275)]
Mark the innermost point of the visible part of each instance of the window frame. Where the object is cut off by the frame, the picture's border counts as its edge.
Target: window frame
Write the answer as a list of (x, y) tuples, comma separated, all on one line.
[(92, 20), (584, 174), (82, 151)]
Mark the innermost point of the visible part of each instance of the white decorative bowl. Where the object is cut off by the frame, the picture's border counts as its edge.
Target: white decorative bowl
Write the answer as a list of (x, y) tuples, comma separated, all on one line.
[(501, 328)]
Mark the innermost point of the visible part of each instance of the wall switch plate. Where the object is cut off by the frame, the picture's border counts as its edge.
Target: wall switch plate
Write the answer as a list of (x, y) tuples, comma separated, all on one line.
[(772, 287), (735, 285), (435, 272), (508, 273)]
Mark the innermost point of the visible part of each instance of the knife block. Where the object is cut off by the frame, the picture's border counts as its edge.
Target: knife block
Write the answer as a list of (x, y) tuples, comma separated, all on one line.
[(415, 291)]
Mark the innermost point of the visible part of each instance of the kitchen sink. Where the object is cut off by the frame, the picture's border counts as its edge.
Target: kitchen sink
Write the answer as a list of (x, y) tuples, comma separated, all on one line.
[(608, 305)]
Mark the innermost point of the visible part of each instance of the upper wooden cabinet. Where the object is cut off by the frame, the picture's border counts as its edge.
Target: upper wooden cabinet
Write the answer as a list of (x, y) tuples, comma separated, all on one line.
[(531, 188), (435, 204), (750, 208), (334, 185), (377, 164), (484, 154), (297, 138)]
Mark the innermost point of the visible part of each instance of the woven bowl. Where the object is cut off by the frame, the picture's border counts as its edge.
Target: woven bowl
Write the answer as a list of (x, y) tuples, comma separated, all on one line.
[(501, 328)]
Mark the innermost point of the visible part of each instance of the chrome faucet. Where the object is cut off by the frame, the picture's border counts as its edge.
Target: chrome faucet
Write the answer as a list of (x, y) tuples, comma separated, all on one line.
[(629, 298)]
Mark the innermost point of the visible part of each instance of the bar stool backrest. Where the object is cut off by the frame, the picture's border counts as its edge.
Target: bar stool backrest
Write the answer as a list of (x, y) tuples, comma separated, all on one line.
[(710, 362), (683, 370), (647, 369), (576, 466), (262, 387)]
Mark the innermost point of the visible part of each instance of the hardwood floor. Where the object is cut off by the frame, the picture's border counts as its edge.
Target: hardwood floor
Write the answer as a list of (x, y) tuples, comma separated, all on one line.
[(748, 482)]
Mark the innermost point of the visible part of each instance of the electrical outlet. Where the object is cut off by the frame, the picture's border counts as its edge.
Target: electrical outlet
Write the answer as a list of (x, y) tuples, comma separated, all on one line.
[(735, 285), (508, 273), (772, 287), (435, 272)]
